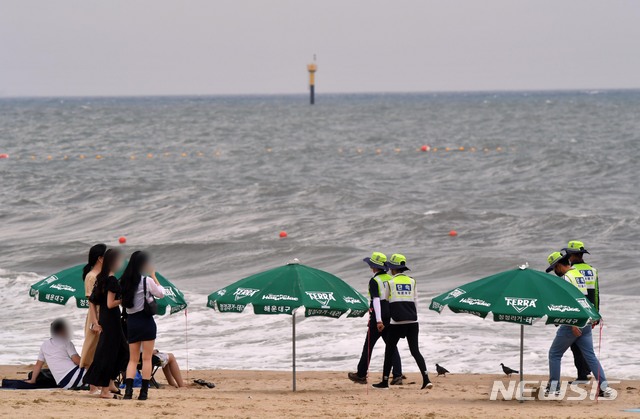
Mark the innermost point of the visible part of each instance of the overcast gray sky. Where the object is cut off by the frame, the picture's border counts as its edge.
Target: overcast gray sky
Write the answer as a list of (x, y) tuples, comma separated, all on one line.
[(155, 47)]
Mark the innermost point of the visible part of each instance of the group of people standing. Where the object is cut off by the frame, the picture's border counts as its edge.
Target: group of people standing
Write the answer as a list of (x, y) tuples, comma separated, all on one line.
[(569, 264), (393, 316), (114, 340)]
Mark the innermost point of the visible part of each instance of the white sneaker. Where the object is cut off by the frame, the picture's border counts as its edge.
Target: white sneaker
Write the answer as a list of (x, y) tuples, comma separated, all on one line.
[(607, 393)]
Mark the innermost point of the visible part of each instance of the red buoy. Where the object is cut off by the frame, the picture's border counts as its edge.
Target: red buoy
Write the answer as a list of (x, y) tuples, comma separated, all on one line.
[(453, 233), (283, 234), (4, 156), (425, 148), (122, 240)]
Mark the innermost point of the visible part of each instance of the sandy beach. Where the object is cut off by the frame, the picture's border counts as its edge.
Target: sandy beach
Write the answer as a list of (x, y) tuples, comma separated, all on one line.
[(267, 394)]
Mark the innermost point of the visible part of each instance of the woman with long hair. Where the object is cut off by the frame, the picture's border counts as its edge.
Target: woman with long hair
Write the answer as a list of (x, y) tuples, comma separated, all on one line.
[(137, 288), (111, 355), (91, 327)]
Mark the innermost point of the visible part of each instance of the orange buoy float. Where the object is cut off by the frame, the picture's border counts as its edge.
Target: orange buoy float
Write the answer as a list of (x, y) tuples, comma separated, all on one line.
[(283, 234), (122, 240)]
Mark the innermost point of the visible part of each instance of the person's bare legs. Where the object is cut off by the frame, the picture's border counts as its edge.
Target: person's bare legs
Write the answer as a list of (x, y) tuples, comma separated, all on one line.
[(175, 371), (112, 387), (147, 353), (134, 356), (167, 374), (105, 393)]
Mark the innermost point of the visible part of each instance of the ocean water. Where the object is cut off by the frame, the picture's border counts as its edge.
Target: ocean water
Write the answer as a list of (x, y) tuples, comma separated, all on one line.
[(207, 183)]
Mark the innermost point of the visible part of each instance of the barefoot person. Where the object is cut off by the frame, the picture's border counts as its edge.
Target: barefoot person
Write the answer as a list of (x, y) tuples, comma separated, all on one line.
[(141, 328), (402, 296), (379, 319), (170, 368), (569, 335), (91, 328), (111, 355)]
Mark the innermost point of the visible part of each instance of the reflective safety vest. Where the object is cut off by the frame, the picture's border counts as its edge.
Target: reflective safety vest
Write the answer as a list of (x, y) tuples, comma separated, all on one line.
[(591, 280), (574, 277), (381, 280), (402, 299)]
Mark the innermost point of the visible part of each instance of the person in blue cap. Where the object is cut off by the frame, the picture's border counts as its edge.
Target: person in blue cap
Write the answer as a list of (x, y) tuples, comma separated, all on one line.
[(401, 290), (379, 319)]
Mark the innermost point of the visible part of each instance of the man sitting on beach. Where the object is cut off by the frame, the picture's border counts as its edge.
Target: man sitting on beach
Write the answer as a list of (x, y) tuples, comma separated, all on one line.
[(61, 357)]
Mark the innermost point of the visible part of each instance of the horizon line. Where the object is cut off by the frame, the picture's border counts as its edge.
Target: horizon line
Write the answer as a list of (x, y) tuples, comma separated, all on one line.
[(426, 92)]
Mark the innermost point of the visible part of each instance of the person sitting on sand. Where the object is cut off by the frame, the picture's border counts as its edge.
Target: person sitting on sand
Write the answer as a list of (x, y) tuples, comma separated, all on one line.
[(170, 368), (61, 357)]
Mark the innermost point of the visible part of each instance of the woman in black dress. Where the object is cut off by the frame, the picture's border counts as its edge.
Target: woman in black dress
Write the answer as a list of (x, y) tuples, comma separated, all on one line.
[(112, 353)]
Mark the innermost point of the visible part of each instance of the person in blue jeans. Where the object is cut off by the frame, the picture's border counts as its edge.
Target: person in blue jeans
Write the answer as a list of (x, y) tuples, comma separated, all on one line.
[(569, 335)]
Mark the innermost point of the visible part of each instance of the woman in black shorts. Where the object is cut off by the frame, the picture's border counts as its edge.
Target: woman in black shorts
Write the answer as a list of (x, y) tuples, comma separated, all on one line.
[(141, 328)]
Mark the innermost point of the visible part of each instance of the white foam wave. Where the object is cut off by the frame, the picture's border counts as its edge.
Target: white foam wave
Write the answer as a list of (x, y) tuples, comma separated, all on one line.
[(464, 344)]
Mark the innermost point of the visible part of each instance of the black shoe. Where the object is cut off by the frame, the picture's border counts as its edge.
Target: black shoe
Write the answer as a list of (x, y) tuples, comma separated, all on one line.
[(581, 380), (356, 378), (396, 381), (128, 391), (607, 393), (382, 385), (426, 383), (144, 390)]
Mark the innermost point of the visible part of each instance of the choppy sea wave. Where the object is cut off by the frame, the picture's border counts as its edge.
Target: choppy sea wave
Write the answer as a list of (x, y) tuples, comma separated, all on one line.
[(206, 184)]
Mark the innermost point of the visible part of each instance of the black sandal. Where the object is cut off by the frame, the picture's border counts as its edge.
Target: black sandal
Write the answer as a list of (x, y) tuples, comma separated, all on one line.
[(204, 383)]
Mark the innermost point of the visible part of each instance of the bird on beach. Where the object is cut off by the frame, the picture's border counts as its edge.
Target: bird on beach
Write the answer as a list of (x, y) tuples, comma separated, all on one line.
[(508, 370), (441, 370)]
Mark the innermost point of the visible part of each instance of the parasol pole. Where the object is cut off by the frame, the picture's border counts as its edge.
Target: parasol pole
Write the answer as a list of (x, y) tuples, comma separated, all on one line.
[(521, 363), (293, 329)]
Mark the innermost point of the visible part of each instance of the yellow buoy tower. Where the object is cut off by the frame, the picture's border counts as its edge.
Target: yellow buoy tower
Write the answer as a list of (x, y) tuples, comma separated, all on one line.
[(312, 68)]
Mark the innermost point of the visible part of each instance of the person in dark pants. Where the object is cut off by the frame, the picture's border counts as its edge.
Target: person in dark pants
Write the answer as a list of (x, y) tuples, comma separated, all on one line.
[(379, 319), (575, 251), (402, 294)]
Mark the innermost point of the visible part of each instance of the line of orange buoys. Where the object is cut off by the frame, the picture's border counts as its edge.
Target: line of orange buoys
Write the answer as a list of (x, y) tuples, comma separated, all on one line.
[(199, 154)]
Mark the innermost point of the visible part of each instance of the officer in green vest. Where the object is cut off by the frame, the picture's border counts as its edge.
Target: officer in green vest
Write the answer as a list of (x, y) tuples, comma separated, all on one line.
[(575, 250), (379, 319), (401, 290), (567, 335)]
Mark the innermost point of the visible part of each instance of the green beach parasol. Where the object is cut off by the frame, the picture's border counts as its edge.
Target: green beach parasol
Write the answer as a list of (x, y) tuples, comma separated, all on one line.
[(283, 290), (520, 296), (60, 287)]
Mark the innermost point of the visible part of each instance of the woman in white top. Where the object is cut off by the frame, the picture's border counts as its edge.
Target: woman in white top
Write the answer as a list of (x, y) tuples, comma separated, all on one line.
[(141, 328)]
